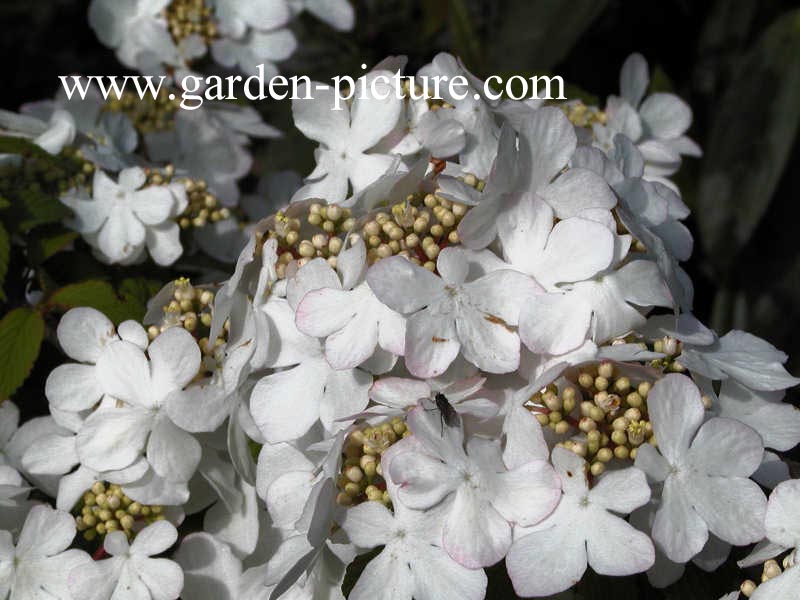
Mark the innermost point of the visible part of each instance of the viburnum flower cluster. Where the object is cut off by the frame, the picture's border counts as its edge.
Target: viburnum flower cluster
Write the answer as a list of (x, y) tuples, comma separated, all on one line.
[(464, 338)]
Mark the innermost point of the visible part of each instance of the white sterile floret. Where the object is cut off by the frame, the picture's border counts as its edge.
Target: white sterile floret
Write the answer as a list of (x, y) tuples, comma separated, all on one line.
[(396, 395), (553, 555), (346, 136), (473, 113), (138, 423), (121, 220), (339, 14), (38, 566), (782, 523), (656, 125), (131, 572), (449, 314), (83, 334), (211, 570), (287, 403), (14, 503), (349, 316), (412, 562), (704, 468), (50, 133), (486, 497)]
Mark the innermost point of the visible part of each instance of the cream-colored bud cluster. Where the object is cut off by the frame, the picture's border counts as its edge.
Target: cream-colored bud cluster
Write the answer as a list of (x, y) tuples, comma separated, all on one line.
[(189, 307), (671, 348), (361, 477), (203, 206), (148, 114), (105, 508), (581, 115), (319, 233), (31, 175), (418, 227), (190, 17), (611, 414), (770, 570)]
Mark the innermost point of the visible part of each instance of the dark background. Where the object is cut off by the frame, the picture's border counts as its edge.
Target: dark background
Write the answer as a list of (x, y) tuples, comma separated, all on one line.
[(736, 62)]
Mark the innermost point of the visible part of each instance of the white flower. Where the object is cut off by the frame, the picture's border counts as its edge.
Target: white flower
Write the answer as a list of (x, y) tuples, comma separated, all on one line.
[(778, 423), (704, 469), (210, 143), (524, 438), (412, 562), (50, 135), (40, 563), (115, 437), (211, 571), (236, 16), (782, 523), (742, 356), (287, 477), (255, 49), (345, 137), (398, 395), (339, 14), (13, 499), (650, 211), (553, 555), (287, 403), (131, 573), (83, 333), (486, 497), (9, 422), (139, 34), (420, 128), (574, 249), (449, 314), (349, 316), (121, 219), (546, 143), (657, 125), (474, 115)]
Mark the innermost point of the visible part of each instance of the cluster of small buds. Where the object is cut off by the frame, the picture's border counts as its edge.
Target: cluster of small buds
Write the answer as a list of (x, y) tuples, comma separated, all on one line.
[(105, 508), (771, 570), (148, 114), (318, 233), (55, 175), (190, 17), (611, 415), (581, 115), (189, 307), (361, 477), (418, 227), (671, 348), (203, 205)]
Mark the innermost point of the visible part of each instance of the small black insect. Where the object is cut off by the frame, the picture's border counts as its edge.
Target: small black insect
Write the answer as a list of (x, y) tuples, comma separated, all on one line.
[(447, 413)]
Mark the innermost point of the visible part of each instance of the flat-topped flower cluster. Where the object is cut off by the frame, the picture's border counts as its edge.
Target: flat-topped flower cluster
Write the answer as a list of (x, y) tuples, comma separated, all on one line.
[(465, 338)]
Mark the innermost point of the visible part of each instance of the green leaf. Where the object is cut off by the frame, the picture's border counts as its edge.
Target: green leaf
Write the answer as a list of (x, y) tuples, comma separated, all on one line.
[(660, 81), (42, 245), (129, 303), (751, 137), (466, 42), (21, 333), (5, 253), (18, 145), (32, 208)]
